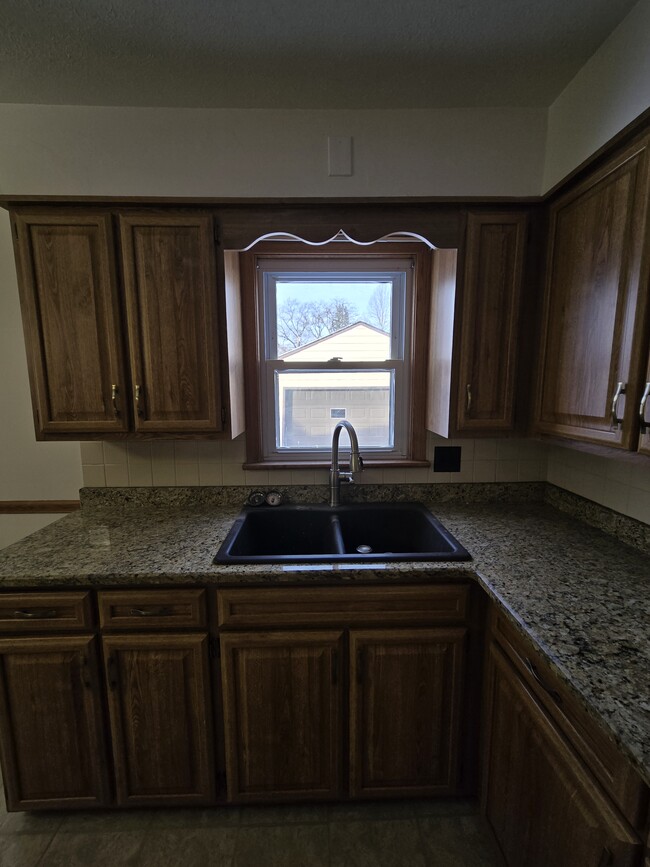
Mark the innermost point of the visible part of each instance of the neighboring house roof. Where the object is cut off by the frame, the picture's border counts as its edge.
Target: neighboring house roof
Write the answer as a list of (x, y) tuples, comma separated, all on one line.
[(326, 347)]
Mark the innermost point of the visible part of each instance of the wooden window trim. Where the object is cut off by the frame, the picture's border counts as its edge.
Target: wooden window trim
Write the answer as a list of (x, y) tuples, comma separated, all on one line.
[(416, 442)]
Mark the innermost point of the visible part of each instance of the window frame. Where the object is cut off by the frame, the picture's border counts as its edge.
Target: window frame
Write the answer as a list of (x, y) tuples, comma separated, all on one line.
[(256, 365)]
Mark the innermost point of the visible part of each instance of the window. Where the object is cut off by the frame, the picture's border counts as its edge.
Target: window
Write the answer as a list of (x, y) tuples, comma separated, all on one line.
[(335, 334)]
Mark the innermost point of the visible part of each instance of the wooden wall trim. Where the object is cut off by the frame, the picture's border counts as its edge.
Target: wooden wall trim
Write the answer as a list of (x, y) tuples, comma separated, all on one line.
[(38, 507)]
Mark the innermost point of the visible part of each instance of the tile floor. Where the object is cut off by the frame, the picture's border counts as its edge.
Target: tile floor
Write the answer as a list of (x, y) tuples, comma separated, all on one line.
[(391, 834)]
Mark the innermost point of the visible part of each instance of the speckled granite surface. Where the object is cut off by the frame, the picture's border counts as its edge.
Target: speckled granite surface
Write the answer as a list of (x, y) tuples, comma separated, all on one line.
[(581, 595)]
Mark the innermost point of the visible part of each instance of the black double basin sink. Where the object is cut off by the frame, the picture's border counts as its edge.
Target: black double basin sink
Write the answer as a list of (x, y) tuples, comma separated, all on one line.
[(354, 533)]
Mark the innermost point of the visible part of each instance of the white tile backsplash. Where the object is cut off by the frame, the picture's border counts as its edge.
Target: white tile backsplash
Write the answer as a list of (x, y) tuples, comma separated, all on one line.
[(615, 482), (621, 483)]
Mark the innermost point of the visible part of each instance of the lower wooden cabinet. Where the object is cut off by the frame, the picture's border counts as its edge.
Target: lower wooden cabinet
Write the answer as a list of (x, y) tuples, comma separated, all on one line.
[(160, 718), (544, 806), (283, 698), (282, 714), (406, 688), (51, 727)]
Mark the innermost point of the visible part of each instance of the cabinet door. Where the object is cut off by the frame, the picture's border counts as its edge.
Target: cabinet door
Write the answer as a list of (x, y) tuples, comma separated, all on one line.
[(51, 732), (71, 319), (542, 804), (171, 290), (492, 284), (159, 708), (282, 715), (406, 687), (594, 306)]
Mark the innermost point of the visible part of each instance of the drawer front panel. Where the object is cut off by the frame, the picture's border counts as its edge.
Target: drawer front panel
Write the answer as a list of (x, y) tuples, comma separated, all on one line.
[(45, 612), (342, 606), (152, 609)]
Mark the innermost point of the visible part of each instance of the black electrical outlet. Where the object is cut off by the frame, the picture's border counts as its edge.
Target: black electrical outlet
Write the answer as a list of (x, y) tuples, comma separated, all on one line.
[(446, 459)]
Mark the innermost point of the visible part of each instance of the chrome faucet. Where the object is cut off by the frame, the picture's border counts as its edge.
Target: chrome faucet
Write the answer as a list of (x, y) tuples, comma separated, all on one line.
[(356, 461)]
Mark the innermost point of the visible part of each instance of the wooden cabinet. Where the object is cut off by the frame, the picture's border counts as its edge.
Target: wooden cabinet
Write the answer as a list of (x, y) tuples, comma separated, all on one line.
[(51, 728), (71, 317), (160, 717), (555, 788), (406, 688), (475, 323), (594, 338), (283, 714), (83, 336), (170, 284)]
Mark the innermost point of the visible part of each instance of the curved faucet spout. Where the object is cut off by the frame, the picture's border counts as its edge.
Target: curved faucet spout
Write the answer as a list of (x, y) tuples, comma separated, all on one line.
[(356, 461)]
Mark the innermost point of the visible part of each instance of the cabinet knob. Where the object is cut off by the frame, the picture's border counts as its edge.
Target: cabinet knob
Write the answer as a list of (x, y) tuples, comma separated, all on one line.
[(620, 389)]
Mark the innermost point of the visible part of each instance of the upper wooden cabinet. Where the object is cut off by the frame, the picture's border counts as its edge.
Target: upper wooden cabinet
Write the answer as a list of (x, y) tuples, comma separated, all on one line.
[(489, 332), (71, 317), (594, 329), (170, 283), (474, 332), (82, 336)]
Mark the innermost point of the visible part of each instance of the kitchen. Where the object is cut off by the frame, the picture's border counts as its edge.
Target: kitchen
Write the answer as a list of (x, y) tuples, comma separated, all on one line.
[(507, 161)]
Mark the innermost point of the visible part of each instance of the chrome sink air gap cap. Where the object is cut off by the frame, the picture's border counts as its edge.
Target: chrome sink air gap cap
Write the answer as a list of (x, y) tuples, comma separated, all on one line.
[(364, 549)]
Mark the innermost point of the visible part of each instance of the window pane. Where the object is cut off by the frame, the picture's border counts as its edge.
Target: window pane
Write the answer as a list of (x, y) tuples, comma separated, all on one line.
[(316, 320), (309, 404)]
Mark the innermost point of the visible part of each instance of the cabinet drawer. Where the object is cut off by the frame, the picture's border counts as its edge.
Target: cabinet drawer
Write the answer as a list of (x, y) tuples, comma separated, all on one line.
[(152, 609), (342, 606), (597, 751), (45, 612)]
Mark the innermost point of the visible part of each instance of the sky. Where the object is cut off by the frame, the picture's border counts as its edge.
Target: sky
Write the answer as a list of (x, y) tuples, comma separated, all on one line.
[(357, 294)]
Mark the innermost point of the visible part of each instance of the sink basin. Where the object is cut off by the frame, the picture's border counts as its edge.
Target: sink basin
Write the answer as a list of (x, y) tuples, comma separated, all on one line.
[(364, 532)]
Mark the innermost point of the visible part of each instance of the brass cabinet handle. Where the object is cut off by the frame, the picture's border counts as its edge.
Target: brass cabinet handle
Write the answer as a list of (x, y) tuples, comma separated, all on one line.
[(644, 398), (35, 614), (469, 396), (151, 612), (620, 389), (557, 698), (138, 395), (114, 393)]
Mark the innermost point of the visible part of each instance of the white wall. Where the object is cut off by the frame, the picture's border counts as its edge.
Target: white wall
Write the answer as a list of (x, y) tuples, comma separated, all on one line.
[(15, 527), (78, 150), (610, 91)]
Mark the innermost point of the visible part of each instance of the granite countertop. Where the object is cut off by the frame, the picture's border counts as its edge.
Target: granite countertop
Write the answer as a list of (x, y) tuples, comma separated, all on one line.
[(580, 594)]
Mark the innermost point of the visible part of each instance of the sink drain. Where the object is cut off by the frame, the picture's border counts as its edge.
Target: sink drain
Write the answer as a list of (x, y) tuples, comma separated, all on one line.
[(364, 549)]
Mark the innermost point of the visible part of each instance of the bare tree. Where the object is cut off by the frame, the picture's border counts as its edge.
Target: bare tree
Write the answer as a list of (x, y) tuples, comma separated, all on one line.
[(301, 322), (379, 308)]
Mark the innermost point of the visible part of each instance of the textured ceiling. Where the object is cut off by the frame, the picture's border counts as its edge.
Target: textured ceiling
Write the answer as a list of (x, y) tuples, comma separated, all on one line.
[(298, 53)]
